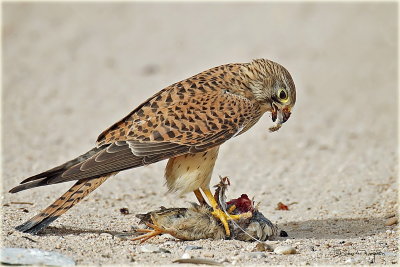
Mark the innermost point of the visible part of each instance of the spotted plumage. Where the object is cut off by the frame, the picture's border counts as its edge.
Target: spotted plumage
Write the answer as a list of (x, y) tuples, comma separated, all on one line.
[(182, 122)]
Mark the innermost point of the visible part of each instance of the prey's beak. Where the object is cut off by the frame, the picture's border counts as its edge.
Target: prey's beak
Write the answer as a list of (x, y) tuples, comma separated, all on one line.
[(285, 114), (282, 116)]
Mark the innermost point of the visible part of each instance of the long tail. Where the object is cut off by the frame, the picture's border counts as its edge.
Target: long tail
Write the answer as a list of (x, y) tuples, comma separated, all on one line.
[(75, 194)]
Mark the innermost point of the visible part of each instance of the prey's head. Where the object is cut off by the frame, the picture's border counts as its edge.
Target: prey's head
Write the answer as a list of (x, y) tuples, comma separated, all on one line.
[(273, 87)]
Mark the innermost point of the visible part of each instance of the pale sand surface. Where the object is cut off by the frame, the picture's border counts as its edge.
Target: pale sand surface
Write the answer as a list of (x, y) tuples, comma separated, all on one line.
[(71, 70)]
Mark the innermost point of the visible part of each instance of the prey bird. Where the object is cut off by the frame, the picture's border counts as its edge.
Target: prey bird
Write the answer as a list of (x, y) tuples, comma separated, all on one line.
[(185, 123), (197, 221)]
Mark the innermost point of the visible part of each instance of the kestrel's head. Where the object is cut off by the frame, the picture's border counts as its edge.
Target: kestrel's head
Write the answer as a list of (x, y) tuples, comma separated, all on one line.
[(273, 87)]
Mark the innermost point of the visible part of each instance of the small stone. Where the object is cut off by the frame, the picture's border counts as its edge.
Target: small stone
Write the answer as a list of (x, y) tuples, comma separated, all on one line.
[(389, 253), (257, 255), (208, 255), (391, 221), (306, 228), (33, 256), (350, 261), (193, 247), (285, 250), (223, 260), (283, 234), (262, 247), (105, 235), (153, 249), (186, 256), (124, 211)]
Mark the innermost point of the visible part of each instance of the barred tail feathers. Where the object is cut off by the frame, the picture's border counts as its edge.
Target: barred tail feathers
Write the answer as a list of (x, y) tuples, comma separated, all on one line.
[(75, 194)]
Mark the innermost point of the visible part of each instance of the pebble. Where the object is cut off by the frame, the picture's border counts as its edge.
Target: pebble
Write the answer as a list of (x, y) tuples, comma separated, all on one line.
[(393, 254), (186, 256), (193, 247), (306, 228), (153, 249), (257, 255), (105, 235), (223, 260), (124, 211), (263, 247), (33, 256), (283, 233), (285, 250), (350, 261), (391, 221), (208, 255)]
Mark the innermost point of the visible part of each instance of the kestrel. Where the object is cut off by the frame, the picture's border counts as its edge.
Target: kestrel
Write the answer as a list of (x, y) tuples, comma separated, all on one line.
[(185, 123)]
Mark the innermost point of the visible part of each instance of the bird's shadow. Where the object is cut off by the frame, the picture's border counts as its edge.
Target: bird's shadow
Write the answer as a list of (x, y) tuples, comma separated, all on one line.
[(335, 228), (312, 229), (62, 231)]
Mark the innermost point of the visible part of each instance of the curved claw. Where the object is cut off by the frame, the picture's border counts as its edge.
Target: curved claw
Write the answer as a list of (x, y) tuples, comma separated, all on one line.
[(223, 217)]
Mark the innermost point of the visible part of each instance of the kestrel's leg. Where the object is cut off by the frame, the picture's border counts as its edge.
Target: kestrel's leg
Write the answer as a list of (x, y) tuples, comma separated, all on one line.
[(221, 215), (200, 197)]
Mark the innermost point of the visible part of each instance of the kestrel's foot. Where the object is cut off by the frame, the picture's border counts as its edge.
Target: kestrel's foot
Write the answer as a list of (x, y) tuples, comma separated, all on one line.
[(221, 215), (231, 209), (150, 233)]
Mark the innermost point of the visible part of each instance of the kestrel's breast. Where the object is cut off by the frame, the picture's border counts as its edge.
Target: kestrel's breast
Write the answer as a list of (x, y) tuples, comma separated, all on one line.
[(191, 171)]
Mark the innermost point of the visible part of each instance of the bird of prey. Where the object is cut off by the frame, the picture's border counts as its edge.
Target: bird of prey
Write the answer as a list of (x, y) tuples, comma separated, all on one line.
[(185, 123)]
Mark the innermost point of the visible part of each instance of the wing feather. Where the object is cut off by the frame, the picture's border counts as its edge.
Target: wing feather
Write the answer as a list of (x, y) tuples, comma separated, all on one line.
[(198, 111)]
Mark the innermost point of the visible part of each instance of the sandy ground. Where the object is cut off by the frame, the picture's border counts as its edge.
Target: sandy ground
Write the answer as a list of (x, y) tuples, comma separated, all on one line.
[(71, 70)]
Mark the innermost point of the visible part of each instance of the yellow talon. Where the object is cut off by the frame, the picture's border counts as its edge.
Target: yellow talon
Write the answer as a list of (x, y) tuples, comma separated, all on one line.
[(222, 216), (231, 209), (240, 216)]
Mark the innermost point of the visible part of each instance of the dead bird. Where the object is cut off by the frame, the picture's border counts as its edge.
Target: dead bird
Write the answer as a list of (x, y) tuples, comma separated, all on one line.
[(197, 222)]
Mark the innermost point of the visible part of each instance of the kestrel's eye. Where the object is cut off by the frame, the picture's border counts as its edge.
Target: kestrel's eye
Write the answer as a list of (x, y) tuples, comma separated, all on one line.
[(283, 96)]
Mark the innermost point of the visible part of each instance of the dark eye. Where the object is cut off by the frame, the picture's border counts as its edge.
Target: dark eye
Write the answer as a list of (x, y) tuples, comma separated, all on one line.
[(283, 95)]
